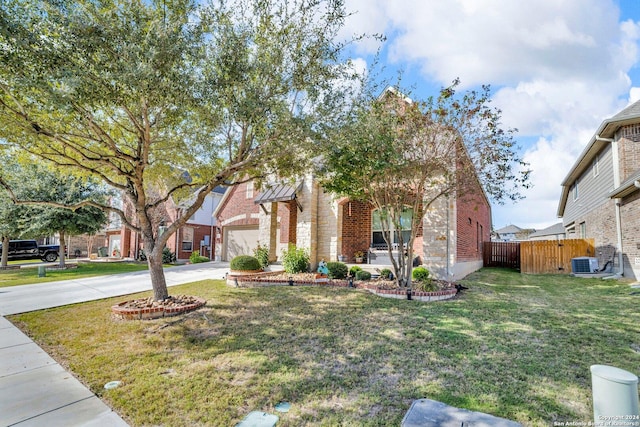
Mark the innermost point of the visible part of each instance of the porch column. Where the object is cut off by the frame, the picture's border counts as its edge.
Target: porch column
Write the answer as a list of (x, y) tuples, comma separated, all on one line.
[(273, 232)]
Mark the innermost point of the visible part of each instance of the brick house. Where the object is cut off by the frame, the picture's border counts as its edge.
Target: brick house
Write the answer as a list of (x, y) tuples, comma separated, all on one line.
[(197, 235), (449, 243), (600, 196)]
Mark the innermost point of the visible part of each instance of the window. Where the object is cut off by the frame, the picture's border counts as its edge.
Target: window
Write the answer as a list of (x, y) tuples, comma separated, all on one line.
[(187, 239), (249, 194), (583, 230), (575, 190), (379, 217), (596, 166)]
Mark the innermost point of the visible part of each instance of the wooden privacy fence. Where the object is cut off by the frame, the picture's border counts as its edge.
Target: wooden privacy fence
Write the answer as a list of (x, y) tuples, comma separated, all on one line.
[(501, 254), (537, 256), (553, 256)]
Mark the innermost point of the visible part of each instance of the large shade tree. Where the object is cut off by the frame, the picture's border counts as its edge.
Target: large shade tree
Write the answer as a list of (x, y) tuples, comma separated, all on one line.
[(42, 194), (402, 155), (143, 93)]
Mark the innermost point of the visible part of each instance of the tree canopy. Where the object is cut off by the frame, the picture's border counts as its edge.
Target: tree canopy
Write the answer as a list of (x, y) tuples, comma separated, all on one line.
[(42, 193), (167, 99), (401, 155)]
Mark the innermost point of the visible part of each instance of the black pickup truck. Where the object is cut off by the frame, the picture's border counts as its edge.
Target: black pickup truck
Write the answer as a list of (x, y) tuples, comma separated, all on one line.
[(29, 249)]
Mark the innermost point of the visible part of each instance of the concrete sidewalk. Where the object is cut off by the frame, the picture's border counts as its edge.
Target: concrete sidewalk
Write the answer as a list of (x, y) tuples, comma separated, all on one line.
[(34, 389)]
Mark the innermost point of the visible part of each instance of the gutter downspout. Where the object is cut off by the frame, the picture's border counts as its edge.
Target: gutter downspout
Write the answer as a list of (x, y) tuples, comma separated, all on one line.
[(616, 184)]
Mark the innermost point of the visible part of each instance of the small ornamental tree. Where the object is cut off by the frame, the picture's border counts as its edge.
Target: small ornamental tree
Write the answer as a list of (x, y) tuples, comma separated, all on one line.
[(411, 153)]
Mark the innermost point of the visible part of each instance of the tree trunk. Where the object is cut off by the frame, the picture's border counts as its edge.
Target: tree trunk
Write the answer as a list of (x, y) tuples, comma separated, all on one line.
[(156, 270), (158, 281), (62, 250), (5, 251)]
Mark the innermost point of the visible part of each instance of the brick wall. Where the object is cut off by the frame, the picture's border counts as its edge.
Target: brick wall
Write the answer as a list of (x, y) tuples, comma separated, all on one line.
[(199, 232), (600, 224), (356, 228), (237, 208), (630, 214), (629, 149), (473, 226)]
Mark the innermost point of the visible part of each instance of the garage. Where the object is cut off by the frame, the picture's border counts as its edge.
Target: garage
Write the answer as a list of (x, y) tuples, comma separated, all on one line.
[(239, 241)]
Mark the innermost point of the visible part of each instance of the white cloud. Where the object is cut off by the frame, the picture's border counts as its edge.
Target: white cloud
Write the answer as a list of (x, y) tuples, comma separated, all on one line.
[(559, 69)]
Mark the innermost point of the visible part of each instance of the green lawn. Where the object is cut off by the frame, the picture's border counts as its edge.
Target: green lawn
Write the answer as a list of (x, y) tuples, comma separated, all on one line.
[(29, 275), (516, 346)]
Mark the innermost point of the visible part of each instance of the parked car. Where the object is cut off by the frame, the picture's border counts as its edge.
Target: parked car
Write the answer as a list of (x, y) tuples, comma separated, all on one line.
[(29, 249)]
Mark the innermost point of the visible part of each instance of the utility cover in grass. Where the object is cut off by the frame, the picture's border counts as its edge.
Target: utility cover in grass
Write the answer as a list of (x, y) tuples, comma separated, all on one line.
[(283, 407), (258, 419), (429, 413)]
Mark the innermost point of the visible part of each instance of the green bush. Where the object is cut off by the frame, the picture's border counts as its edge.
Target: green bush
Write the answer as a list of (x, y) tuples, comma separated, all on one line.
[(426, 286), (353, 271), (168, 257), (244, 263), (195, 258), (385, 273), (295, 260), (262, 255), (420, 274), (337, 270), (363, 275)]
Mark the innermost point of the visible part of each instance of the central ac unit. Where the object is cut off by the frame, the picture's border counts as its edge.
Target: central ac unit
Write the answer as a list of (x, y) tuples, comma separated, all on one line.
[(584, 264)]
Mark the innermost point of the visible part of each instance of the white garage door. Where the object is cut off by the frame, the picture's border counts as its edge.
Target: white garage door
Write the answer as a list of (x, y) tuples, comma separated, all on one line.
[(239, 241)]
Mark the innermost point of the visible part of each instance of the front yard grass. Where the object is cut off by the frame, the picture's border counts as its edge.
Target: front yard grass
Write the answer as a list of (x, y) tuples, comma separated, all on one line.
[(29, 275), (515, 346)]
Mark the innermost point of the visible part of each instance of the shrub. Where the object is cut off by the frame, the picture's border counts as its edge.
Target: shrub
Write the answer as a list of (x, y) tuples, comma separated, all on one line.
[(353, 271), (262, 255), (363, 275), (420, 274), (337, 270), (195, 258), (426, 286), (385, 273), (168, 257), (244, 263), (295, 260)]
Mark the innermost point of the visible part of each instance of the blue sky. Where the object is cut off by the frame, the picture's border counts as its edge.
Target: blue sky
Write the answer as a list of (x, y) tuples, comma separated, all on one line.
[(557, 69)]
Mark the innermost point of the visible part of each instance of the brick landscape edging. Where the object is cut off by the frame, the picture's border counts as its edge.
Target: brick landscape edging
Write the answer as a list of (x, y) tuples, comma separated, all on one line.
[(134, 313), (262, 279)]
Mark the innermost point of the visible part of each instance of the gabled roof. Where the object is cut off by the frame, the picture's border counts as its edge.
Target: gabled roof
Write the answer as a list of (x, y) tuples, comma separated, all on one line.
[(509, 229), (599, 140), (549, 231)]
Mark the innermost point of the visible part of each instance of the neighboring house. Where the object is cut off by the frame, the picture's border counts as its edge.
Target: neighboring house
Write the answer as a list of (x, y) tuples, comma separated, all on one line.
[(449, 244), (511, 233), (197, 235), (601, 193), (554, 232)]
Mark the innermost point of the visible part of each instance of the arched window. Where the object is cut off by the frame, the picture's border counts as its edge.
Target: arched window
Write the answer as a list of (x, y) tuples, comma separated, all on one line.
[(379, 216)]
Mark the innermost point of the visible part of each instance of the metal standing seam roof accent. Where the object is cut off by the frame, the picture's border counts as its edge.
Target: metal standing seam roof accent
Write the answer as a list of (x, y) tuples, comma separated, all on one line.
[(277, 193)]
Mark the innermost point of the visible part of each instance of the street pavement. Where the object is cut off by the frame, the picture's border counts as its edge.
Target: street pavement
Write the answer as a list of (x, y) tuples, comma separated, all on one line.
[(34, 389)]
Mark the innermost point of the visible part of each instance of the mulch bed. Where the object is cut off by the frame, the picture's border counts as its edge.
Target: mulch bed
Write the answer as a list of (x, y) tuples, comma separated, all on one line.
[(147, 308)]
